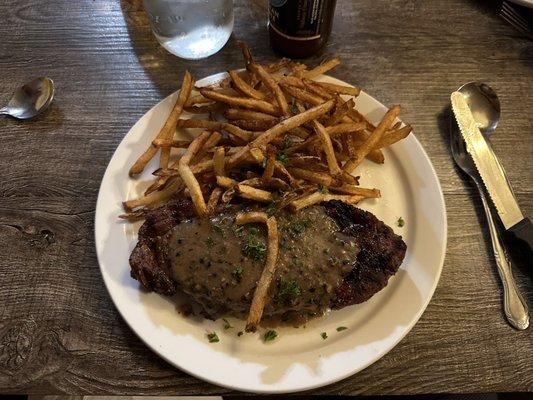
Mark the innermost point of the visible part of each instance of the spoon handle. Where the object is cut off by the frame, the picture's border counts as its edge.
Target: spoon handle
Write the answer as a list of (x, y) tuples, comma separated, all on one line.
[(4, 111), (513, 304)]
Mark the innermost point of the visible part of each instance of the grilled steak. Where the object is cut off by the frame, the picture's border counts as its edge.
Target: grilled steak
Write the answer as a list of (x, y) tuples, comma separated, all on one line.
[(331, 255)]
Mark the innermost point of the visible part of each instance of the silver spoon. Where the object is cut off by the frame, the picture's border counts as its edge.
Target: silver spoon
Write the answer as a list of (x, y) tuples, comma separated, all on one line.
[(31, 99), (485, 108), (484, 104)]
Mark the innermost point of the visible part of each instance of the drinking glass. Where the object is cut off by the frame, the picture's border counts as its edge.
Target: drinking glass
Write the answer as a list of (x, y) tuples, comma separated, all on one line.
[(191, 29)]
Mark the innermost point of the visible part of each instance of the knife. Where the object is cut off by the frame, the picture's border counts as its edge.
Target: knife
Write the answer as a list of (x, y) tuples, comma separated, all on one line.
[(492, 173)]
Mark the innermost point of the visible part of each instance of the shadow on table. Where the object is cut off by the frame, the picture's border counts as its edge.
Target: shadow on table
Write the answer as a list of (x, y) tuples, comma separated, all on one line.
[(154, 59), (165, 69)]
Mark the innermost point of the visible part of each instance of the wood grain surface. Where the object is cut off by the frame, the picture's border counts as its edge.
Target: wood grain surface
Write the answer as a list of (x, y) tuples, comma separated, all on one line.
[(59, 330)]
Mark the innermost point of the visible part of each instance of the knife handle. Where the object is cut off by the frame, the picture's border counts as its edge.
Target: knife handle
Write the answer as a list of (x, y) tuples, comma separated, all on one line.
[(524, 232)]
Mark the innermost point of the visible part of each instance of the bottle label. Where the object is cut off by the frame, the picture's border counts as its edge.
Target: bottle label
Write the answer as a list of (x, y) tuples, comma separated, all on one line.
[(297, 19)]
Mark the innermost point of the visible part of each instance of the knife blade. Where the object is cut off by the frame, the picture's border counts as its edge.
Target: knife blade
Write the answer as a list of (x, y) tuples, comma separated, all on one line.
[(489, 168)]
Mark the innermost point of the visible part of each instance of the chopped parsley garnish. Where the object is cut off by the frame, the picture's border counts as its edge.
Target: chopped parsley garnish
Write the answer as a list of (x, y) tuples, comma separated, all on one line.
[(270, 336), (237, 273), (400, 222), (227, 325), (289, 289), (283, 159), (218, 229), (271, 208), (294, 109), (324, 335), (213, 337), (296, 262), (299, 227), (287, 142), (228, 205), (209, 241), (341, 328), (322, 189), (238, 231), (240, 333), (253, 249)]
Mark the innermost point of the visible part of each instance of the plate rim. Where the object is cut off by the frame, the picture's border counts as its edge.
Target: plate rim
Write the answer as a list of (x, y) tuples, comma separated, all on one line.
[(444, 220), (525, 3)]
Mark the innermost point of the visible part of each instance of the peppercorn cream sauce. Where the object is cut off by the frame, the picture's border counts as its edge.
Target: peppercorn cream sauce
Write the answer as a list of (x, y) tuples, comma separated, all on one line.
[(218, 263)]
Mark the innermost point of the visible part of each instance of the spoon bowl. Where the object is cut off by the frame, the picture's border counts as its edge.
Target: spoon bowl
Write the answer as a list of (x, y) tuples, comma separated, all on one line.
[(484, 104), (31, 99)]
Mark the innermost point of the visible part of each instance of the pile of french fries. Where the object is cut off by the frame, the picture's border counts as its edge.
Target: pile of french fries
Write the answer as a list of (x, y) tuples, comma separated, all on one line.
[(270, 135)]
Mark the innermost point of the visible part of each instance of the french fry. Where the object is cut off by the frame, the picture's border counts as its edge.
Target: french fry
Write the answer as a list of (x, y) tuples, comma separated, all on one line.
[(345, 128), (170, 125), (356, 190), (244, 87), (214, 198), (324, 137), (341, 110), (251, 193), (322, 68), (225, 182), (167, 130), (240, 114), (263, 285), (215, 108), (154, 197), (269, 82), (372, 140), (246, 53), (194, 188), (252, 104), (331, 130), (254, 126), (188, 177), (216, 126), (269, 169), (396, 126), (219, 161), (318, 90), (313, 163), (376, 156), (280, 170), (302, 94), (195, 146), (257, 154), (196, 100), (278, 184), (333, 88), (318, 197), (333, 165), (289, 80), (356, 116), (171, 143), (313, 176), (211, 142), (394, 136), (284, 126)]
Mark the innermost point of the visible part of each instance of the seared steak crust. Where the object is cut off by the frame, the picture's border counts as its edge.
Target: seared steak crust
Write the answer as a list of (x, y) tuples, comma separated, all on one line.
[(381, 251), (380, 256)]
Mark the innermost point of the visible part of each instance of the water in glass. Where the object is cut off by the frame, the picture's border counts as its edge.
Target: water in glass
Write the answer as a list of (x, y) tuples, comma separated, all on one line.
[(191, 29)]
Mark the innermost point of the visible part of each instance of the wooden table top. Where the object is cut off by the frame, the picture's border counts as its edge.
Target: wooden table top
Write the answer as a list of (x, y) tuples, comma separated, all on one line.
[(59, 330)]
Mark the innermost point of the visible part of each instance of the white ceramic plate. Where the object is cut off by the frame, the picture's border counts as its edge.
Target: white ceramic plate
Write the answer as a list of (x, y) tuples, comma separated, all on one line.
[(525, 3), (299, 359)]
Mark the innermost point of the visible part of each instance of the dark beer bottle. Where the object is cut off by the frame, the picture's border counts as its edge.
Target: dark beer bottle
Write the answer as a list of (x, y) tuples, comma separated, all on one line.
[(300, 28)]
